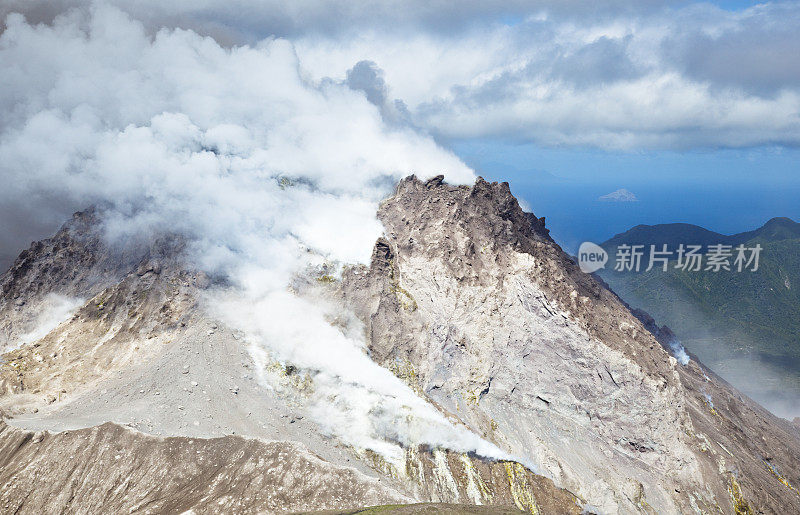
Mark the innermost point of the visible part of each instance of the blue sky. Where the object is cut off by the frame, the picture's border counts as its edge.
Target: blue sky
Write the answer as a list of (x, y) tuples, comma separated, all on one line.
[(734, 5), (726, 190)]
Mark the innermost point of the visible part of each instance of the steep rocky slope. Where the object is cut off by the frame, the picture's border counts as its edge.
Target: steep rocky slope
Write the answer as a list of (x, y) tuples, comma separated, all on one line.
[(467, 299), (160, 382)]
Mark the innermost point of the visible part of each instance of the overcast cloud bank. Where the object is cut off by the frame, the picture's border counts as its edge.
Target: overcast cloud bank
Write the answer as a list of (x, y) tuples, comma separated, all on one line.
[(695, 77), (265, 172), (615, 75)]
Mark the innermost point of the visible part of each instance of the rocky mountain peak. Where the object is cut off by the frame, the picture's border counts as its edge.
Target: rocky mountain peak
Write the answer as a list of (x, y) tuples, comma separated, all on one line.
[(467, 300), (472, 303), (474, 230), (492, 199)]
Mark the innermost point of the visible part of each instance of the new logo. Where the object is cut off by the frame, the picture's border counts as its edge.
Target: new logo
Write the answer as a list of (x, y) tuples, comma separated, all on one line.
[(591, 257)]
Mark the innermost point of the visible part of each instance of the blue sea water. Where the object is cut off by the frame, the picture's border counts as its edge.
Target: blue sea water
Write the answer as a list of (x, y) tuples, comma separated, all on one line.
[(574, 214), (728, 190)]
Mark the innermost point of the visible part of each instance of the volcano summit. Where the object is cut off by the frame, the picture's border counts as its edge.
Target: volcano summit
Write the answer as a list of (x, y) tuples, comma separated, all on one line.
[(492, 371)]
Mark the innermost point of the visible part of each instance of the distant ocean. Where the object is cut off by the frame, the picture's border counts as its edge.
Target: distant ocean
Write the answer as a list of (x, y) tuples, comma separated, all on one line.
[(574, 213), (723, 190)]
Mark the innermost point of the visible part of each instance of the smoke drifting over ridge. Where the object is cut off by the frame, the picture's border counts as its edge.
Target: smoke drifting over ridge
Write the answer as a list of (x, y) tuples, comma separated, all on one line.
[(95, 110), (264, 171)]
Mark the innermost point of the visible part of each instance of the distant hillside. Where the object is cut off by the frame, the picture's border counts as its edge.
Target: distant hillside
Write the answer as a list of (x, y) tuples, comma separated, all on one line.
[(776, 229), (671, 234), (728, 318)]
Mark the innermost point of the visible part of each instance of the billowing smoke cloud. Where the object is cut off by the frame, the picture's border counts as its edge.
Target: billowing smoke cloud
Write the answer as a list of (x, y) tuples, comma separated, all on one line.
[(95, 109), (265, 172), (40, 319), (679, 351)]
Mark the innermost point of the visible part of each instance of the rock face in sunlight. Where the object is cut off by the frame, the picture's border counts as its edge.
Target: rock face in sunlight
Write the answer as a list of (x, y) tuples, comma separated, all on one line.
[(467, 300)]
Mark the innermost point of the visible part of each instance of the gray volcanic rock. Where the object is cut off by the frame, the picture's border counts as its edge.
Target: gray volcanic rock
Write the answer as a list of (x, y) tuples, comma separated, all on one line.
[(473, 305), (77, 262), (111, 469), (144, 352), (467, 299)]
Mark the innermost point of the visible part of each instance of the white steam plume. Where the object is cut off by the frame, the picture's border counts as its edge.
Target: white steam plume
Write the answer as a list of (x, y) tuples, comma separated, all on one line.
[(46, 316), (679, 351), (360, 402), (237, 150)]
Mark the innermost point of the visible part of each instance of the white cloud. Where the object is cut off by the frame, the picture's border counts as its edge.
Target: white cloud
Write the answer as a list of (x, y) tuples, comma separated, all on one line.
[(620, 195), (621, 75), (697, 77), (251, 20), (237, 150), (168, 126)]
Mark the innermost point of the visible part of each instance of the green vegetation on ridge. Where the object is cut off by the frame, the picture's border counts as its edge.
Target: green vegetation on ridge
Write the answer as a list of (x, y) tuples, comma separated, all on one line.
[(724, 313)]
